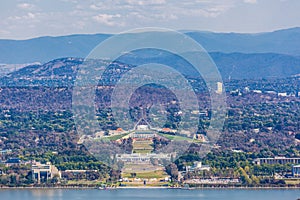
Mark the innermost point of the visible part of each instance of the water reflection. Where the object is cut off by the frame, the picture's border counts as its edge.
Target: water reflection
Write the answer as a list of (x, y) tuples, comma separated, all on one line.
[(42, 194)]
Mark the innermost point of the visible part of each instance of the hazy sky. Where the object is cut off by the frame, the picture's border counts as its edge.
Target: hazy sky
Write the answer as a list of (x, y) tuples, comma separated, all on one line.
[(31, 18)]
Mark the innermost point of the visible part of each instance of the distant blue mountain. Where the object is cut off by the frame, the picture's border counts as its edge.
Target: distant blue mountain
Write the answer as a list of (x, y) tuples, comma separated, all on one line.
[(230, 65), (281, 42), (62, 72), (256, 66), (44, 49)]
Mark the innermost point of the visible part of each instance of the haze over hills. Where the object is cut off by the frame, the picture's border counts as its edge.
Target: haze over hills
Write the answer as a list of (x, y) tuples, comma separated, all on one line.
[(44, 49), (256, 65), (9, 68), (62, 72), (281, 42), (238, 56)]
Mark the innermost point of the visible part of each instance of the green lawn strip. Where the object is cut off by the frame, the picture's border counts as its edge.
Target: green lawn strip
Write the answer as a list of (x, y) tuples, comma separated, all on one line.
[(176, 137), (152, 174), (148, 147), (143, 151), (115, 137), (142, 146)]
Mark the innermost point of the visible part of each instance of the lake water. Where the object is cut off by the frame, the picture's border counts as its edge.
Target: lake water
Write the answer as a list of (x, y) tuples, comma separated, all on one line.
[(132, 194)]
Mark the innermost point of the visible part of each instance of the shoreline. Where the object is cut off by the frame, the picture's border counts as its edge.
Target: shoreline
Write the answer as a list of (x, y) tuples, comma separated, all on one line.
[(157, 187)]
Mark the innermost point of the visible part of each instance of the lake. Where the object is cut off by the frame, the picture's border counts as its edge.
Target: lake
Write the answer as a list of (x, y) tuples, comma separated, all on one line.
[(132, 194)]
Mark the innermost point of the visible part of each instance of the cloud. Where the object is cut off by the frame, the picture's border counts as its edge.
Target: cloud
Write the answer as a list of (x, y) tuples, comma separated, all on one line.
[(73, 16), (250, 1), (70, 1), (26, 6), (4, 32), (146, 2), (95, 7), (107, 19), (27, 16), (202, 8)]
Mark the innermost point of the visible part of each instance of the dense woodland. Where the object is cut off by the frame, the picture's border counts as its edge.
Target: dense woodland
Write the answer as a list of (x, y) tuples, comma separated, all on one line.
[(36, 120)]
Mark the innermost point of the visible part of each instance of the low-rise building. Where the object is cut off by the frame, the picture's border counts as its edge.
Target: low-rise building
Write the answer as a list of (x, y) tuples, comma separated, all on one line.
[(296, 171), (271, 92), (75, 171), (197, 166), (43, 172), (13, 161), (257, 91), (282, 94), (168, 130), (214, 180), (142, 158), (277, 160), (118, 131), (143, 134), (5, 152)]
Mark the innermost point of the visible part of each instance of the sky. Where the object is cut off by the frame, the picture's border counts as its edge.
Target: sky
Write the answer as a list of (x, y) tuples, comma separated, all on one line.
[(23, 19)]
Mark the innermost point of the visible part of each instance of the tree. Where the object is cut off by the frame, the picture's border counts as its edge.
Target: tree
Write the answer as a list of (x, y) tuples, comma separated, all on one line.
[(244, 177), (115, 175), (172, 170), (255, 180)]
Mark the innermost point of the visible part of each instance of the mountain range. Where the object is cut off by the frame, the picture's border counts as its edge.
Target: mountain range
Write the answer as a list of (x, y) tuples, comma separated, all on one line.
[(44, 49), (238, 56), (62, 72)]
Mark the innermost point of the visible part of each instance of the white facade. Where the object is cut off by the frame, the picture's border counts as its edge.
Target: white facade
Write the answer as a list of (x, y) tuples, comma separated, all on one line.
[(277, 160), (45, 171), (142, 158), (296, 171)]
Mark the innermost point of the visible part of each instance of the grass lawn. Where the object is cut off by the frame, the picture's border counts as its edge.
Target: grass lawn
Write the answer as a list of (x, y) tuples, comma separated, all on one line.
[(142, 151), (115, 137), (141, 184), (143, 146), (176, 137), (152, 174)]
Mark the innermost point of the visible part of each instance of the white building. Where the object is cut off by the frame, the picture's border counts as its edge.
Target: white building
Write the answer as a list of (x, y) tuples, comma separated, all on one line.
[(197, 167), (282, 94), (43, 172), (296, 171), (142, 158), (5, 152), (257, 91), (277, 160), (219, 88)]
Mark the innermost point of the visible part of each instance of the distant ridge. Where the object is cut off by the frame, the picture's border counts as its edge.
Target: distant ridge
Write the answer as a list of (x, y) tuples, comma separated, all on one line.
[(62, 71), (44, 49), (285, 41), (256, 66)]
